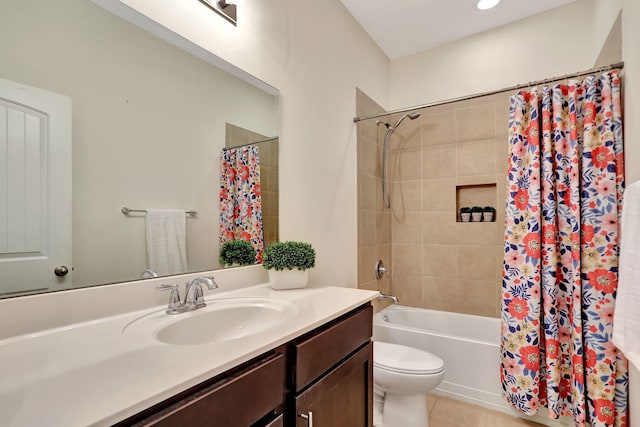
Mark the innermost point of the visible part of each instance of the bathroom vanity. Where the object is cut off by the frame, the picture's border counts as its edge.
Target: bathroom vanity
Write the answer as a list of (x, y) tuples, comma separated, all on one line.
[(323, 377), (315, 368)]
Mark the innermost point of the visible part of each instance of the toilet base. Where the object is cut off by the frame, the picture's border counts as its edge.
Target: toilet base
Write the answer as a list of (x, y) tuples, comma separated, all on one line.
[(405, 410), (378, 405)]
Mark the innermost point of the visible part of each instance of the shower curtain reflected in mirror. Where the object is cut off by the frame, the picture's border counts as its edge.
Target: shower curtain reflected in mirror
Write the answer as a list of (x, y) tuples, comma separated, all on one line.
[(560, 271), (241, 197)]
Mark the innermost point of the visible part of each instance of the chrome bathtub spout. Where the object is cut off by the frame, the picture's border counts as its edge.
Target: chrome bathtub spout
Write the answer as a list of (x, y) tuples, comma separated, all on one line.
[(393, 298)]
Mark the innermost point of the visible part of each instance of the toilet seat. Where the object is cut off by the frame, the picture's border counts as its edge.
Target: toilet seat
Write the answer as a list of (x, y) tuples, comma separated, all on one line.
[(405, 360)]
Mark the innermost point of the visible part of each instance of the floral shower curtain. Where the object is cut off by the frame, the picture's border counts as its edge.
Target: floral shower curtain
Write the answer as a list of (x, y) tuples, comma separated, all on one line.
[(240, 197), (560, 271)]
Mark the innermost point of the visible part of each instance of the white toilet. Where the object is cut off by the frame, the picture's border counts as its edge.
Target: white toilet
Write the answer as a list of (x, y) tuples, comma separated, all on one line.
[(402, 376)]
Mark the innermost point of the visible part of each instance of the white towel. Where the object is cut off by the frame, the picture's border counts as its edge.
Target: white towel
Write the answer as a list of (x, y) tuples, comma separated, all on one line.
[(626, 318), (166, 241)]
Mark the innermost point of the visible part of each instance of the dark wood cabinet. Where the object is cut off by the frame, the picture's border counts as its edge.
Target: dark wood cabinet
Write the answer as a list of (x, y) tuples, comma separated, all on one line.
[(327, 373), (330, 376), (341, 398)]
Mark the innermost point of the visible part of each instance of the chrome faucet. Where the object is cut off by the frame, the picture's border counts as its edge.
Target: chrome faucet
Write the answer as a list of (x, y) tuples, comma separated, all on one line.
[(148, 273), (193, 294)]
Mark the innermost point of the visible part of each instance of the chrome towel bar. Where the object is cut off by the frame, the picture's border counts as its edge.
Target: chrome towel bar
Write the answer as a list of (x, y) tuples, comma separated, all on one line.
[(125, 210)]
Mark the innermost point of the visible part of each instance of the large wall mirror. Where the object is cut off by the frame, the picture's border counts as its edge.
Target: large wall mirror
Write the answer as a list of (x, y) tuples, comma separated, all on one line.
[(148, 124)]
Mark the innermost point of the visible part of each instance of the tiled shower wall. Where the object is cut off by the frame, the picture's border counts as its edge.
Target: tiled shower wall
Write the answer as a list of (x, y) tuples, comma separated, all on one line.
[(374, 222), (454, 155)]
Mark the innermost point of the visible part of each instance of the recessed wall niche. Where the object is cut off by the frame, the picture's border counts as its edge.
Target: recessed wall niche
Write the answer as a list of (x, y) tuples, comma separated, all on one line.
[(475, 195)]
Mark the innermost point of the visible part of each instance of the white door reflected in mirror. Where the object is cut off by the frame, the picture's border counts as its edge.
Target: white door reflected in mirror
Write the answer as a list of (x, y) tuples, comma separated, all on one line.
[(35, 191)]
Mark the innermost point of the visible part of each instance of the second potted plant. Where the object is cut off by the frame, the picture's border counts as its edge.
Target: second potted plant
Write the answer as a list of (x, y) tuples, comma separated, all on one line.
[(488, 214), (476, 214), (237, 252), (288, 264)]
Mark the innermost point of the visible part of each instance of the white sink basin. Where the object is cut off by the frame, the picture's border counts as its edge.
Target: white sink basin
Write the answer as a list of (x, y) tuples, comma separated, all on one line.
[(221, 320)]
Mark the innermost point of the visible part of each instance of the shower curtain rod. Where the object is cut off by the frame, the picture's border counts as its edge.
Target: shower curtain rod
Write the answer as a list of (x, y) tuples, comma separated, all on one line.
[(273, 138), (493, 92)]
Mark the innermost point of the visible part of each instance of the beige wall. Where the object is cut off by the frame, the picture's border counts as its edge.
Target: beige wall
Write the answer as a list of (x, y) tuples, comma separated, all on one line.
[(374, 221), (507, 55), (315, 54)]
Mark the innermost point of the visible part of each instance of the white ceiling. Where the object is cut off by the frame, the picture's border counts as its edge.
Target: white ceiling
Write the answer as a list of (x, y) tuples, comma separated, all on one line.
[(403, 27)]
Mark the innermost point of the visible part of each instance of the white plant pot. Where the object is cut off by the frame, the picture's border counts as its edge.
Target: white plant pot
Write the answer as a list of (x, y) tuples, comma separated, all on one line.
[(288, 279), (476, 216), (465, 216), (487, 216)]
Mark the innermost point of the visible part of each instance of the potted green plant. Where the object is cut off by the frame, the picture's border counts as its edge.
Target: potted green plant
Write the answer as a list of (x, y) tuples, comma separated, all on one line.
[(476, 214), (237, 252), (465, 214), (488, 214), (288, 264)]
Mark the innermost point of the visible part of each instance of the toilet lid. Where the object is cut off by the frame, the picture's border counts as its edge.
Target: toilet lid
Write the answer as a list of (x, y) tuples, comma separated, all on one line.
[(403, 359)]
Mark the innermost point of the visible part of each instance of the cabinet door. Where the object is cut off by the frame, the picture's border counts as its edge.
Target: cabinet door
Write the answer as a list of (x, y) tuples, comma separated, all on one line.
[(342, 398)]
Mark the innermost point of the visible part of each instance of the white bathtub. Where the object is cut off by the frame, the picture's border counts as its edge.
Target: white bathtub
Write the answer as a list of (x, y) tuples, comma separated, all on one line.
[(469, 346)]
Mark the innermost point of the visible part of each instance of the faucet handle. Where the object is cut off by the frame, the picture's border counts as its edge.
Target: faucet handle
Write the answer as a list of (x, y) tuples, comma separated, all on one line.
[(381, 270), (175, 305)]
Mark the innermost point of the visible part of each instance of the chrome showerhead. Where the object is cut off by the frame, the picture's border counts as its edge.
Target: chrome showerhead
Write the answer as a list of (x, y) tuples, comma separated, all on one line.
[(412, 116)]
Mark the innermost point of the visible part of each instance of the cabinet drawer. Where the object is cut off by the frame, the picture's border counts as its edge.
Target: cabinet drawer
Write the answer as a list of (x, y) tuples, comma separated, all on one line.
[(317, 354), (240, 400)]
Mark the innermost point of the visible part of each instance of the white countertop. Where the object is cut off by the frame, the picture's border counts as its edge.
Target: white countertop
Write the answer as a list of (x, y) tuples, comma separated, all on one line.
[(91, 374)]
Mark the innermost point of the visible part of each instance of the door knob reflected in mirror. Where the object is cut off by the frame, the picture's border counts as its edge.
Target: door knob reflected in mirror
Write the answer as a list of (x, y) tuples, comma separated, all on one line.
[(61, 270)]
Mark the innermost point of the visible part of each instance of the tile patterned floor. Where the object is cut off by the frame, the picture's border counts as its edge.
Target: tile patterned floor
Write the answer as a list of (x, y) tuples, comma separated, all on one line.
[(445, 412)]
